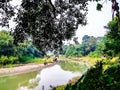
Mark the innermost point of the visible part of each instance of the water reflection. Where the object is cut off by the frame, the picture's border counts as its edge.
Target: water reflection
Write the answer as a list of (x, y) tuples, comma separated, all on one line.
[(32, 83), (54, 76), (14, 82), (74, 66)]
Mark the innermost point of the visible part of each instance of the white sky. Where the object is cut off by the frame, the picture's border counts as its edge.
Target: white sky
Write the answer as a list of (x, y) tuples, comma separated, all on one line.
[(96, 20)]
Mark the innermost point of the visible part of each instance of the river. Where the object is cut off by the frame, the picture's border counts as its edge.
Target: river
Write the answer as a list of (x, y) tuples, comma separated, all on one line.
[(58, 74)]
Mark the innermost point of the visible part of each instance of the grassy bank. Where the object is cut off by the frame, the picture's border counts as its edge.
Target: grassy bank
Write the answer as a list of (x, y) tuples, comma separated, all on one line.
[(38, 60), (105, 74), (26, 60), (87, 59)]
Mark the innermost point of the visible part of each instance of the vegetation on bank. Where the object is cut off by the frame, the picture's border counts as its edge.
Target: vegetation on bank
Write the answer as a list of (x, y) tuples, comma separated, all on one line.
[(90, 46), (12, 55), (36, 60), (25, 52), (104, 74), (48, 31)]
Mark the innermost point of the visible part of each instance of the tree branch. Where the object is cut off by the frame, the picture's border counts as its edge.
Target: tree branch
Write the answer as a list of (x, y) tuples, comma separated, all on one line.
[(53, 7)]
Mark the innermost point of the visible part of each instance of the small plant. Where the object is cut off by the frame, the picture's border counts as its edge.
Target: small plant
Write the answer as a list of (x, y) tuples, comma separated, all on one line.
[(4, 60)]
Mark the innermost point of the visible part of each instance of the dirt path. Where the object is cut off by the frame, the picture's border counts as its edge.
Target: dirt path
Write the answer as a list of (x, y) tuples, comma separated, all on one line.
[(23, 69)]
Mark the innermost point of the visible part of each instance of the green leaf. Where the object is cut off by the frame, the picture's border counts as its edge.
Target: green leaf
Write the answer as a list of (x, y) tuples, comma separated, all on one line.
[(99, 7)]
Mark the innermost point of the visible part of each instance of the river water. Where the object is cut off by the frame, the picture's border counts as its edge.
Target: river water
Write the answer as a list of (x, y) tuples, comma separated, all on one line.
[(58, 74)]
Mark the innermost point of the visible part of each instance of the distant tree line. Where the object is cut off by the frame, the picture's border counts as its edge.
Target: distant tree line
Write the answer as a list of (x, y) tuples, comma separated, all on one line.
[(92, 46), (105, 75)]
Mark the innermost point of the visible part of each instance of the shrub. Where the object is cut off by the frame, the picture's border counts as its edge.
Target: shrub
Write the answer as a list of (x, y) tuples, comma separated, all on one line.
[(13, 60), (95, 54), (26, 59), (4, 60)]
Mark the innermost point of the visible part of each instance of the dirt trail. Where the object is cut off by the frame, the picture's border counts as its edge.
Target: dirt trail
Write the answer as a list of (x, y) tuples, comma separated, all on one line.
[(23, 69)]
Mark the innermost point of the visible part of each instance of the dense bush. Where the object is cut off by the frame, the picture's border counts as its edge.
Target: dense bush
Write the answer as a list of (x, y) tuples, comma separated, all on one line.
[(95, 54), (92, 46), (8, 60), (26, 59), (98, 78), (73, 50), (11, 54), (113, 39), (13, 59)]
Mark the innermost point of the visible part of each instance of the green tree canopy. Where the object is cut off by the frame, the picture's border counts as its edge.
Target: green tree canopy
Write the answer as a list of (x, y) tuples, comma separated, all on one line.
[(45, 22), (113, 38), (100, 46), (73, 50), (6, 44), (88, 44)]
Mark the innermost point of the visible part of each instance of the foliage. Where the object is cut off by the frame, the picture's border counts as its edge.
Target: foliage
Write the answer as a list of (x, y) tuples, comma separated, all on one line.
[(88, 44), (49, 24), (6, 44), (112, 45), (4, 60), (99, 7), (28, 53), (7, 49), (26, 58), (73, 50), (30, 50), (95, 54), (98, 79), (13, 59), (62, 87), (11, 54), (100, 46), (92, 46), (45, 22), (64, 48)]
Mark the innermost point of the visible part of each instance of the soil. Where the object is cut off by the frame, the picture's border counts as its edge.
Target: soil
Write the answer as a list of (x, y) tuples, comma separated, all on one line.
[(25, 68)]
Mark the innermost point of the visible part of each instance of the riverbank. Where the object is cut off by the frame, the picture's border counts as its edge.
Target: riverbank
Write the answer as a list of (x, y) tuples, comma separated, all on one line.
[(25, 68), (87, 60), (30, 67)]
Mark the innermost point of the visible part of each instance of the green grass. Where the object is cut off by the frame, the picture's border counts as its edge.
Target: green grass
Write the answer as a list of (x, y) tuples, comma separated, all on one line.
[(29, 59), (26, 59), (62, 87)]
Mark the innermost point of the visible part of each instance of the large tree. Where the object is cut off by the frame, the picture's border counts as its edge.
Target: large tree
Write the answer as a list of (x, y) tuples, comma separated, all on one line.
[(88, 44), (45, 22), (112, 45), (6, 46)]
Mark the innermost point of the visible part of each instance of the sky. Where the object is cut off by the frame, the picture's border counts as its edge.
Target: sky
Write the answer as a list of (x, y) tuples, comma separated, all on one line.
[(96, 20)]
